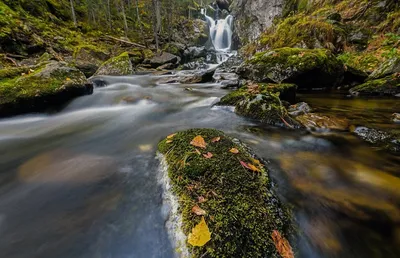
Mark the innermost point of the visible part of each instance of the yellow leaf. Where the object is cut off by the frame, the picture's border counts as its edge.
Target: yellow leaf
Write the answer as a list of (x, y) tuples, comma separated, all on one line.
[(216, 139), (282, 245), (234, 151), (68, 79), (169, 141), (253, 168), (200, 234), (198, 141), (171, 136), (256, 162), (198, 211)]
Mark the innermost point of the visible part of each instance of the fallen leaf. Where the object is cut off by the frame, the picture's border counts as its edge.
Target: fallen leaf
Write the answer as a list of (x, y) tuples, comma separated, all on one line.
[(282, 245), (169, 141), (198, 211), (216, 139), (244, 164), (256, 162), (253, 168), (209, 155), (234, 151), (201, 199), (200, 234), (171, 136), (145, 147), (68, 79), (198, 141), (198, 152)]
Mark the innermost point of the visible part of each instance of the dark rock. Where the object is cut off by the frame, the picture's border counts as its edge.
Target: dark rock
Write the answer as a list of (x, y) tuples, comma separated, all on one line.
[(396, 118), (298, 109), (353, 76), (231, 64), (359, 37), (87, 59), (168, 66), (384, 140), (162, 59), (198, 77), (119, 65), (307, 68), (196, 65)]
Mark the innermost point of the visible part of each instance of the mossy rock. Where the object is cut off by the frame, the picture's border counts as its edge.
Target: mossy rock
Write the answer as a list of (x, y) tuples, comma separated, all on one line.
[(119, 65), (307, 68), (388, 67), (40, 87), (387, 86), (242, 211), (262, 102)]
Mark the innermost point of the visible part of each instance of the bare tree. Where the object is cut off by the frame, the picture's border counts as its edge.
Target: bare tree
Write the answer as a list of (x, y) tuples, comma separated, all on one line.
[(124, 18), (73, 13), (156, 21), (139, 20)]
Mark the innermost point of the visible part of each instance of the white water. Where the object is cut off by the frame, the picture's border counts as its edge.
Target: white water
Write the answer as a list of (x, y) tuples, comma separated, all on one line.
[(220, 32)]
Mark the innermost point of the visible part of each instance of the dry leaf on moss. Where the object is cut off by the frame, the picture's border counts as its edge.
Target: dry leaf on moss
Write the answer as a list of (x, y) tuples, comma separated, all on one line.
[(198, 141), (282, 245), (200, 234), (201, 199), (168, 141), (198, 211), (216, 139), (171, 136), (209, 155), (234, 151), (253, 168)]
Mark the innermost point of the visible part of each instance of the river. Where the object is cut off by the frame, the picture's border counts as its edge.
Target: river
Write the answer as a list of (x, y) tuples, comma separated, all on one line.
[(84, 181)]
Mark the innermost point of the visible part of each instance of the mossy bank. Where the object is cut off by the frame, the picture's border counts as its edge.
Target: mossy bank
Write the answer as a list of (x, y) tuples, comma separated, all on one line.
[(232, 188)]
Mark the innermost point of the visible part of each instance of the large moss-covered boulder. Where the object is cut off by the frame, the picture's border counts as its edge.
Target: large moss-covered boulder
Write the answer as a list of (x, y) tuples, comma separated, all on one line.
[(387, 86), (88, 59), (263, 102), (387, 68), (308, 68), (35, 88), (119, 65), (216, 179)]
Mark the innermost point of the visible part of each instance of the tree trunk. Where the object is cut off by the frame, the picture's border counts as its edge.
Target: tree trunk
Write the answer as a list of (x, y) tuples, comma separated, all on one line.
[(73, 13), (109, 14), (156, 21), (140, 22), (124, 17)]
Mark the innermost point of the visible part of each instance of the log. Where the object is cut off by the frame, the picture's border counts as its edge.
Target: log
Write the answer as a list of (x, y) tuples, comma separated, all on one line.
[(125, 41)]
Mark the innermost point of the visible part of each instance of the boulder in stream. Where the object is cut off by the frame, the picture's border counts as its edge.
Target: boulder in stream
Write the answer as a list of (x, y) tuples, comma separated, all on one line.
[(307, 68), (387, 86), (319, 121), (119, 65), (164, 58), (217, 182), (40, 87)]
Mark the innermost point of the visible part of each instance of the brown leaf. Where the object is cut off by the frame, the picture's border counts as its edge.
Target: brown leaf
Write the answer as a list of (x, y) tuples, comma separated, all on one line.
[(171, 136), (209, 155), (216, 139), (234, 151), (282, 245), (198, 141), (198, 211), (201, 199)]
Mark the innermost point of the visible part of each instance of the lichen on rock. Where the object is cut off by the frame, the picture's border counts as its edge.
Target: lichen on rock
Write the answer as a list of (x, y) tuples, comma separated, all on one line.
[(241, 209)]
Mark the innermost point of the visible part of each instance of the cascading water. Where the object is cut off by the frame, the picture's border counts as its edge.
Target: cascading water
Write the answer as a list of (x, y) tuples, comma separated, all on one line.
[(221, 32)]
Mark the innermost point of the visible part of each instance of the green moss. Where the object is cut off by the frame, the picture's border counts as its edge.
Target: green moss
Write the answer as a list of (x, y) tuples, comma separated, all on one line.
[(119, 65), (387, 86), (242, 211)]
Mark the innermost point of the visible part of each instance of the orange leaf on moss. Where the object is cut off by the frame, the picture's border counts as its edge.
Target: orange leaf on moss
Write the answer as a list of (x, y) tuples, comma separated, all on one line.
[(282, 245), (198, 211), (234, 151), (216, 139), (198, 141), (209, 155)]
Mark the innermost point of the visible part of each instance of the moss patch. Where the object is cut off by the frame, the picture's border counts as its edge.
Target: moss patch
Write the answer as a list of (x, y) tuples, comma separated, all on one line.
[(119, 65), (386, 86), (242, 211)]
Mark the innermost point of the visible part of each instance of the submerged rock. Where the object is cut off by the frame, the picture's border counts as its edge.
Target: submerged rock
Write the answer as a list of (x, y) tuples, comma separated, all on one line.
[(119, 65), (318, 121), (52, 84), (396, 117), (162, 59), (230, 190), (263, 102), (298, 109), (308, 68), (387, 86)]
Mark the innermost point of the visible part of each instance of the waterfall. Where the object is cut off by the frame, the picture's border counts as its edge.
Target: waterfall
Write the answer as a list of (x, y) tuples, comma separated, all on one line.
[(220, 32)]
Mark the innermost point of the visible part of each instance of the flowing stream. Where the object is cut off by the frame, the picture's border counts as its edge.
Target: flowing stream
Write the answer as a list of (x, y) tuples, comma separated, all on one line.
[(84, 182)]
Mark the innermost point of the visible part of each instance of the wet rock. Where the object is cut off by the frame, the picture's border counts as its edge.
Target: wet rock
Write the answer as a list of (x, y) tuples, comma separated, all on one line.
[(385, 140), (353, 76), (396, 118), (387, 86), (316, 121), (198, 77), (227, 80), (88, 59), (231, 64), (162, 59), (119, 65), (298, 109), (175, 48), (307, 68), (52, 84), (192, 53), (387, 68), (262, 102), (199, 64)]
